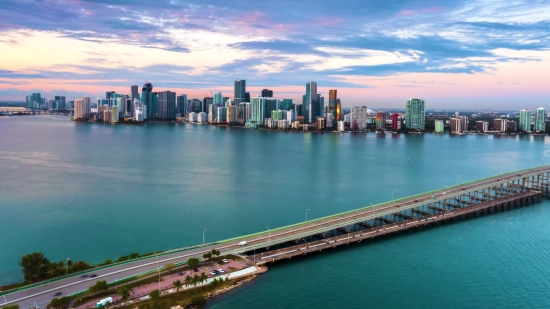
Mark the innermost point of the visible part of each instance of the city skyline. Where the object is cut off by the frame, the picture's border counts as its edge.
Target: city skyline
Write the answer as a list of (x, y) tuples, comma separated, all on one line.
[(463, 54)]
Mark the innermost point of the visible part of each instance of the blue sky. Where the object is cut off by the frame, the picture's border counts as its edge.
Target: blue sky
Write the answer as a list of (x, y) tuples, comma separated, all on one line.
[(454, 54)]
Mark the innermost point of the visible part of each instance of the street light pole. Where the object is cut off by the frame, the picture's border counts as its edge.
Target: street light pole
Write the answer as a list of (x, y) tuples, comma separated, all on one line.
[(205, 230), (269, 233), (456, 179), (392, 194), (306, 213), (68, 259)]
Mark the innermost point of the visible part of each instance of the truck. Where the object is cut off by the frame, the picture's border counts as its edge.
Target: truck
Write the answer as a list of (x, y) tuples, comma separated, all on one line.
[(103, 302)]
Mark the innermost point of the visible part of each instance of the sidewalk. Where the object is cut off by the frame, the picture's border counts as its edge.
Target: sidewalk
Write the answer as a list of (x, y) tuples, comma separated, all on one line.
[(166, 286)]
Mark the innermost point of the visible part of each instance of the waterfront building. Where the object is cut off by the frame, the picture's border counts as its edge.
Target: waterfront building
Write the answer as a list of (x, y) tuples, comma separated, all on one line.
[(525, 120), (61, 102), (291, 115), (115, 114), (540, 125), (414, 114), (338, 110), (150, 99), (439, 126), (221, 115), (243, 113), (218, 99), (395, 122), (261, 109), (278, 114), (380, 120), (320, 123), (511, 126), (166, 105), (193, 117), (500, 125), (464, 122), (80, 109), (456, 125), (310, 102), (232, 115), (240, 92), (268, 122), (266, 93), (181, 105), (482, 126), (213, 113), (202, 117), (341, 126), (283, 124), (358, 118), (329, 121), (140, 110), (206, 102), (331, 108), (134, 90)]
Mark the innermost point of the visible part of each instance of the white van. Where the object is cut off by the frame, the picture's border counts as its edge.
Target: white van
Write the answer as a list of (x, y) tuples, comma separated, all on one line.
[(242, 243), (103, 302)]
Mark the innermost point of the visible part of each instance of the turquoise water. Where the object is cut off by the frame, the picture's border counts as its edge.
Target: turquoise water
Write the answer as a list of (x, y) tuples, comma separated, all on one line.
[(91, 192)]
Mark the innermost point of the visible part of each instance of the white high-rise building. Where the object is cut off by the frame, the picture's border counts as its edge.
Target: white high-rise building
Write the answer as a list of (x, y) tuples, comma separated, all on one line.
[(202, 117), (193, 117), (358, 118)]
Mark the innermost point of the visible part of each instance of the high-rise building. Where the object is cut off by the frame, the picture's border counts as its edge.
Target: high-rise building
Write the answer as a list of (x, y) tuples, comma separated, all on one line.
[(464, 122), (82, 107), (225, 99), (261, 108), (61, 101), (395, 122), (149, 99), (196, 106), (439, 126), (358, 118), (286, 104), (166, 105), (500, 125), (181, 105), (380, 120), (243, 112), (320, 123), (456, 125), (310, 102), (247, 97), (511, 126), (213, 113), (266, 93), (135, 92), (540, 125), (338, 110), (482, 126), (206, 102), (331, 108), (232, 114), (239, 91), (415, 116), (221, 115), (218, 99), (525, 120), (108, 94)]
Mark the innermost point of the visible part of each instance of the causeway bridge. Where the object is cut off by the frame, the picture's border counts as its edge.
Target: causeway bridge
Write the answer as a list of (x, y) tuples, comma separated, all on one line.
[(501, 192)]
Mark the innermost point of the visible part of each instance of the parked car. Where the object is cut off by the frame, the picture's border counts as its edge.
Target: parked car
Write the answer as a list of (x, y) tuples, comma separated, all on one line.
[(221, 271), (213, 272), (180, 273), (225, 260)]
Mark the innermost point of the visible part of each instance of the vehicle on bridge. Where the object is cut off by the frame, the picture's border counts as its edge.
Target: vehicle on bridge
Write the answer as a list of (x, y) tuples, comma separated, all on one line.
[(103, 302), (242, 243)]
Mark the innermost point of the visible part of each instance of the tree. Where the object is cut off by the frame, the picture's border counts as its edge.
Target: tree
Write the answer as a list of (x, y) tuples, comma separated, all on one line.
[(99, 286), (188, 281), (193, 263), (33, 265), (124, 291), (215, 282), (215, 252), (155, 295), (79, 266), (123, 258), (203, 277), (196, 280), (198, 300), (59, 302), (15, 306), (177, 285), (134, 255)]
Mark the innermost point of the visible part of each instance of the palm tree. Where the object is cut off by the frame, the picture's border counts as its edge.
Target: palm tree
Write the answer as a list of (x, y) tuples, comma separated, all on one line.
[(188, 281), (196, 280), (177, 284), (51, 271), (203, 277)]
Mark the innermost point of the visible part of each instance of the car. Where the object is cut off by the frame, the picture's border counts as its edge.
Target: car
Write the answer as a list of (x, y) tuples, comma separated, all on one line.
[(180, 273), (58, 293), (242, 243), (225, 260), (93, 275), (213, 272), (221, 271), (84, 276), (196, 270)]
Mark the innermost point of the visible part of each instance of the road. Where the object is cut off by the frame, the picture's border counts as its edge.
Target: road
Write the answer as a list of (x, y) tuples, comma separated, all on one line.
[(44, 293)]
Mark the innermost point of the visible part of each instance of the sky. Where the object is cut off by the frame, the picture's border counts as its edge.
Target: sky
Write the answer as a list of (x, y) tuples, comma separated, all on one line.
[(453, 54)]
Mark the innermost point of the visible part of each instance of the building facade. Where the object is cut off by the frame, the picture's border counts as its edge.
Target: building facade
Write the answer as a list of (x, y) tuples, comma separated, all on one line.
[(239, 91), (415, 115), (439, 126), (166, 105), (358, 118), (540, 125), (380, 120), (525, 120)]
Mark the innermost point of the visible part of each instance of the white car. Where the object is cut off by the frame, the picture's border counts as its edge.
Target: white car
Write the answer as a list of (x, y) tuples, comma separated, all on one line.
[(242, 243), (221, 271), (225, 260)]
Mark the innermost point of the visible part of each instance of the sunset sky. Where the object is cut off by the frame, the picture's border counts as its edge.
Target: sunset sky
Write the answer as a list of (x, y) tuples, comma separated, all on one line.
[(453, 54)]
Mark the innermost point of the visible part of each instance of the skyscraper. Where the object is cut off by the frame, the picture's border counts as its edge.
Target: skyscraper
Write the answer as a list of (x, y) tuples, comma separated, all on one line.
[(240, 91), (135, 92), (540, 125), (338, 110), (181, 105), (414, 114), (218, 99), (108, 94), (166, 105), (266, 93), (525, 120), (395, 122), (261, 108), (311, 105), (331, 108), (61, 100), (380, 120), (206, 103), (358, 118), (149, 99)]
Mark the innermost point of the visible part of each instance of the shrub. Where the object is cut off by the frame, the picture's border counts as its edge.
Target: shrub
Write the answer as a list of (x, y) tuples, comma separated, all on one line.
[(198, 300)]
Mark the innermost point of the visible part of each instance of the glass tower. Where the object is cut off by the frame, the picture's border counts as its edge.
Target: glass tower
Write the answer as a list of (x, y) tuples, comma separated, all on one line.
[(414, 114), (540, 125), (240, 91), (525, 120)]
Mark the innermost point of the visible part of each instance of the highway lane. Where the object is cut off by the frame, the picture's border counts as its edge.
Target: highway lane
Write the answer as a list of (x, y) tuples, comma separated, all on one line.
[(44, 293)]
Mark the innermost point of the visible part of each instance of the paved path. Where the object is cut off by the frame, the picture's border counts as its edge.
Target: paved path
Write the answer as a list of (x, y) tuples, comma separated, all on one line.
[(42, 294)]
